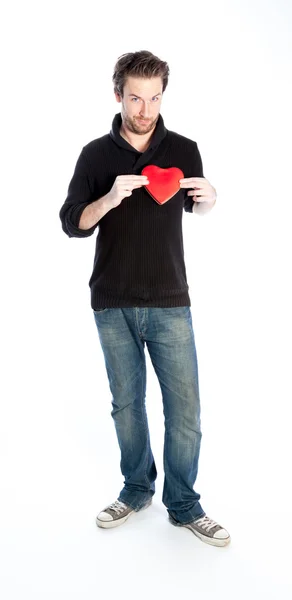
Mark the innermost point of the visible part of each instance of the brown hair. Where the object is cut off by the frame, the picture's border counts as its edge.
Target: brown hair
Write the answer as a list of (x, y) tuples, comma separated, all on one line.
[(139, 64)]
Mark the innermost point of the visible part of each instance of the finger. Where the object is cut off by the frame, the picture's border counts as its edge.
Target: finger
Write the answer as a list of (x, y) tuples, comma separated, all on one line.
[(194, 183), (197, 193), (196, 179), (196, 187), (132, 186), (199, 199)]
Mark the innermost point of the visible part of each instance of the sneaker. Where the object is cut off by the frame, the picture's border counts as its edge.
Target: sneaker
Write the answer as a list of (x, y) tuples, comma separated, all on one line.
[(117, 513), (206, 529)]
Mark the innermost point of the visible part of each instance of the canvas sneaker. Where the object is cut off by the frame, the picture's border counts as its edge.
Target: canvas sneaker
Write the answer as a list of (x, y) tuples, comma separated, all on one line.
[(206, 529), (117, 513)]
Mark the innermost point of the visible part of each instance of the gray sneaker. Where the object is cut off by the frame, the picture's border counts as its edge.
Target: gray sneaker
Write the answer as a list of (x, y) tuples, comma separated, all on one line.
[(206, 529), (117, 513)]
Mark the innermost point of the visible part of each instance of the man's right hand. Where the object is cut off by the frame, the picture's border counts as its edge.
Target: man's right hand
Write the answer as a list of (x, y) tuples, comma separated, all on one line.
[(123, 186)]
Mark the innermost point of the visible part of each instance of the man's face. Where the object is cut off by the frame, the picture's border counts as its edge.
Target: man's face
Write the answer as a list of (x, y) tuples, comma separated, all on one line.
[(141, 103)]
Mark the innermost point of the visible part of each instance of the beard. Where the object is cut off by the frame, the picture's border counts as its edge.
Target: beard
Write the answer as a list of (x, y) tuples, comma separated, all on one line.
[(140, 128)]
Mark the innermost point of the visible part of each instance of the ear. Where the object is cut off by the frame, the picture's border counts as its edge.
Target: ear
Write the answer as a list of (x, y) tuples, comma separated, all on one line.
[(118, 97)]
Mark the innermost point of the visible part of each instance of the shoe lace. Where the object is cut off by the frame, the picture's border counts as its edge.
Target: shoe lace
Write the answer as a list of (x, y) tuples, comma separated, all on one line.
[(206, 523), (117, 506)]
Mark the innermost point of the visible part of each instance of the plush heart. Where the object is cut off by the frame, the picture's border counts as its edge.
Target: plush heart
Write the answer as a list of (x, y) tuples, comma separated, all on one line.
[(163, 183)]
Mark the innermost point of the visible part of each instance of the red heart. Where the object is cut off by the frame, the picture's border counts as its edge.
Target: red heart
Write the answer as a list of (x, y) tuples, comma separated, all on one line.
[(163, 183)]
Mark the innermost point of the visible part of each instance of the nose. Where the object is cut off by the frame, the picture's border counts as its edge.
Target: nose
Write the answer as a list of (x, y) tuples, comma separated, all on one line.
[(145, 110)]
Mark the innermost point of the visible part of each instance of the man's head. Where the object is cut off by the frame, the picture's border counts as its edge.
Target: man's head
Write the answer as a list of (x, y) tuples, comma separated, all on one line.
[(140, 79)]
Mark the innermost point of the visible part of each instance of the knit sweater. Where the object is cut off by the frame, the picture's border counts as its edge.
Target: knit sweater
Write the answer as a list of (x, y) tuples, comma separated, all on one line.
[(139, 254)]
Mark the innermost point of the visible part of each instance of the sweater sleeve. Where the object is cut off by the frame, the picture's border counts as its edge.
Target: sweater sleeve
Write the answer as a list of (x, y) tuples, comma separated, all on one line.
[(196, 171), (80, 193)]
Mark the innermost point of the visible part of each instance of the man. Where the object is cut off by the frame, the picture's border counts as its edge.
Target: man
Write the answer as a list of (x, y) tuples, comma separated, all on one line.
[(139, 290)]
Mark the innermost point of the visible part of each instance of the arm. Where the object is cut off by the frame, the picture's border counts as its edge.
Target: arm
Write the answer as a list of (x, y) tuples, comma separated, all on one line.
[(93, 212), (81, 210), (205, 192), (195, 171)]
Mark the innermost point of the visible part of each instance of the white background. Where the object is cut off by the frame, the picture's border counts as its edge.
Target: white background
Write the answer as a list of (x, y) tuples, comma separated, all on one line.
[(229, 90)]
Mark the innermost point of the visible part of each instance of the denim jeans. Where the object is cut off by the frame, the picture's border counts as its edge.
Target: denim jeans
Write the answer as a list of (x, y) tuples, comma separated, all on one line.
[(168, 333)]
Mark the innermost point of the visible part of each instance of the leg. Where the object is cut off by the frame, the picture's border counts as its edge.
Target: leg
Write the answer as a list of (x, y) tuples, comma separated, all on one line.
[(125, 363), (171, 344)]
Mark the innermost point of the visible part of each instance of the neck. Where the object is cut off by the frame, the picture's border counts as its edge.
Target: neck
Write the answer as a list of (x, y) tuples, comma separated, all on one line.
[(139, 142)]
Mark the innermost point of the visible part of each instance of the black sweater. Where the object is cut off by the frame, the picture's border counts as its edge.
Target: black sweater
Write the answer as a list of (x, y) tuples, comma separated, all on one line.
[(139, 255)]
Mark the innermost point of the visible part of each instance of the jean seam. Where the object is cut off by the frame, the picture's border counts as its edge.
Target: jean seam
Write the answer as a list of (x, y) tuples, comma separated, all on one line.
[(144, 419)]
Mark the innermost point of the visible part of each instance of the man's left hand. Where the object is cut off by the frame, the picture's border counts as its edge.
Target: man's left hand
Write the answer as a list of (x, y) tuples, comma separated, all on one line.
[(202, 190)]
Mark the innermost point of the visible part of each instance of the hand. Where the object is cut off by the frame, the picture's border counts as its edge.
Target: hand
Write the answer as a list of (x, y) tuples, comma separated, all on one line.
[(123, 186), (203, 190)]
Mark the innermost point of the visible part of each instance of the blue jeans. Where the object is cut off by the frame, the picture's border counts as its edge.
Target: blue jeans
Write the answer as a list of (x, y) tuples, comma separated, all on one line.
[(168, 333)]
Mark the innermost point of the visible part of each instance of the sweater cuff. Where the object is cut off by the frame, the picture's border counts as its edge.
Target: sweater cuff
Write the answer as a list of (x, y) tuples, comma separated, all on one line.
[(72, 221)]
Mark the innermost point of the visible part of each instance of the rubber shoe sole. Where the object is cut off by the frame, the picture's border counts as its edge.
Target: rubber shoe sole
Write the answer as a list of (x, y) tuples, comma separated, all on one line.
[(209, 539), (119, 520)]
